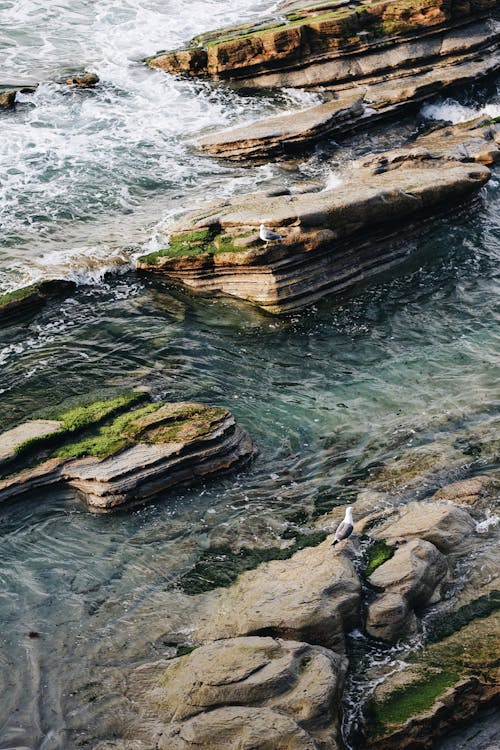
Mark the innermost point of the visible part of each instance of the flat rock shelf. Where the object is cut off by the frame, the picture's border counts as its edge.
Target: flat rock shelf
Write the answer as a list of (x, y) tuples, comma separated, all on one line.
[(117, 452)]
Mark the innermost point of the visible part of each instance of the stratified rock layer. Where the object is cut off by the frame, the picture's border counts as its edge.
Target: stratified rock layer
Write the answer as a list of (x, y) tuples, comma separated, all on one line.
[(115, 460), (329, 236)]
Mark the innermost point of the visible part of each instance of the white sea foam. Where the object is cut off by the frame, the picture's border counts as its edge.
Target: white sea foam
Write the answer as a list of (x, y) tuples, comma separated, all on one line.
[(452, 111)]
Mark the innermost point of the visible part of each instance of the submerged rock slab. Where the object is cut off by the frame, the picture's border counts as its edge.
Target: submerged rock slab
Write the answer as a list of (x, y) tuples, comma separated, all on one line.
[(328, 236), (26, 301), (261, 690), (113, 454)]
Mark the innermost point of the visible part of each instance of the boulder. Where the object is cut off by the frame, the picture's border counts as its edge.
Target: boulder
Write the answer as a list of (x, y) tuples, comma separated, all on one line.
[(412, 578), (477, 491), (278, 680), (313, 596), (444, 525), (84, 80), (113, 454), (333, 239)]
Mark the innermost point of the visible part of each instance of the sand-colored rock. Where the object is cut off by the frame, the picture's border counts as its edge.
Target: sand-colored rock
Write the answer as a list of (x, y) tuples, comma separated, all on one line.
[(291, 679), (412, 578), (333, 239), (444, 525), (14, 438), (159, 447), (83, 80), (314, 597), (362, 102)]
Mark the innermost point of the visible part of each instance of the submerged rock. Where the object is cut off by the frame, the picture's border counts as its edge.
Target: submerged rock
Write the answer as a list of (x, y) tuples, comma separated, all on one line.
[(329, 236), (26, 301), (114, 454), (257, 690)]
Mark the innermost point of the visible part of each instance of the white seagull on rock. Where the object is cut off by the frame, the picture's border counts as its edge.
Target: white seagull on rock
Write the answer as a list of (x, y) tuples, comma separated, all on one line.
[(345, 528), (267, 235)]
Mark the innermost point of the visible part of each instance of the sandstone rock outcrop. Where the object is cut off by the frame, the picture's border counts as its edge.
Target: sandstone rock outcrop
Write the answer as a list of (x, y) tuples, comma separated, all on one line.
[(375, 59), (444, 525), (8, 94), (113, 454), (314, 597), (330, 237), (412, 578), (254, 691)]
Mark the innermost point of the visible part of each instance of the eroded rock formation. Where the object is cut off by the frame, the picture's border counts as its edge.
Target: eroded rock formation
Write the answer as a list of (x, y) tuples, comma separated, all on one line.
[(114, 454), (330, 237)]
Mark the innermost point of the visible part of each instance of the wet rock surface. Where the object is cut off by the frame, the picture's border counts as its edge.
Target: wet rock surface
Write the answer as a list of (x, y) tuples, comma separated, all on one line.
[(27, 301), (254, 689), (330, 237), (113, 460)]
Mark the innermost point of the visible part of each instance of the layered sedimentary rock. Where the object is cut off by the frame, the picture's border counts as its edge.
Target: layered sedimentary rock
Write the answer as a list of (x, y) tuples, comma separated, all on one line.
[(374, 59), (360, 103), (116, 452), (329, 237), (326, 43)]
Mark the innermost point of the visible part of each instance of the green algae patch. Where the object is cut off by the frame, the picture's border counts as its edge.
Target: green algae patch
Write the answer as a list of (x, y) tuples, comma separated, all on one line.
[(450, 622), (19, 294), (80, 418), (110, 439), (378, 554), (221, 566), (408, 701), (192, 244)]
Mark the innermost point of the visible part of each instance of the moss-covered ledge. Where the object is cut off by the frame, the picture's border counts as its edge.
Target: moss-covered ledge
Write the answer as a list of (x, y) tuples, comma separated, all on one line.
[(120, 450), (442, 685), (27, 300)]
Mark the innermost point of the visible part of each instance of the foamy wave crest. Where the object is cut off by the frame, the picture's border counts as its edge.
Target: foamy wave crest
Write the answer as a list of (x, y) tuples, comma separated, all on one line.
[(452, 111)]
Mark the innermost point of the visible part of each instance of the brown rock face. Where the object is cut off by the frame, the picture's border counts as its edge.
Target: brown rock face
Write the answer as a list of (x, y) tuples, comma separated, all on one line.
[(313, 596), (263, 691), (329, 236), (277, 54)]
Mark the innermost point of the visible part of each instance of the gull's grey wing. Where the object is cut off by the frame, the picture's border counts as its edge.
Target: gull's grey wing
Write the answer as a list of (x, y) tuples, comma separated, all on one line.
[(343, 531), (270, 235)]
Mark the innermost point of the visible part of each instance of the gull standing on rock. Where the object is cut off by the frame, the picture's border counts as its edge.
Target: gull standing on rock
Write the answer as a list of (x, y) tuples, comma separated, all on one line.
[(267, 235), (345, 528)]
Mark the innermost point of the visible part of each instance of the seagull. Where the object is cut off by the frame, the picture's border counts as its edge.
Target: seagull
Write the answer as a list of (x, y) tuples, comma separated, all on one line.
[(267, 235), (344, 529)]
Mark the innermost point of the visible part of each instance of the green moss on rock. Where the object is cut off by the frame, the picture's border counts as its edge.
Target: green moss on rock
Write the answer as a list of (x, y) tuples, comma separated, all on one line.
[(220, 566), (81, 418), (192, 244), (378, 553), (408, 701), (18, 294)]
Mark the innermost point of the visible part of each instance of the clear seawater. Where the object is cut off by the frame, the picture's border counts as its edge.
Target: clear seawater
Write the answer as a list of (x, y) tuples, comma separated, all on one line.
[(87, 180)]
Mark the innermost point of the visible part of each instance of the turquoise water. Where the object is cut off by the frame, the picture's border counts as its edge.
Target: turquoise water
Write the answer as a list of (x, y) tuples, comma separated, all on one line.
[(91, 178)]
